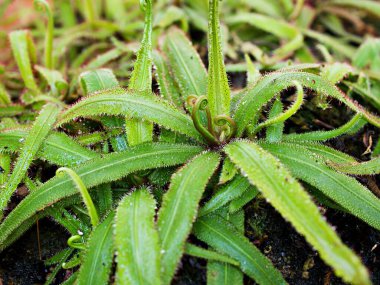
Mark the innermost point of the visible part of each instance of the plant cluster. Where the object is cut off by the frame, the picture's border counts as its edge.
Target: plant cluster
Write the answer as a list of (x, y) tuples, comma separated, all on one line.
[(138, 171)]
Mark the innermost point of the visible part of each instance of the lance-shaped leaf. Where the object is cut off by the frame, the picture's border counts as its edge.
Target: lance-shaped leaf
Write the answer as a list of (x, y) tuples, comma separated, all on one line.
[(225, 195), (284, 192), (225, 238), (344, 190), (140, 106), (57, 148), (136, 240), (253, 99), (141, 80), (31, 145), (179, 209), (98, 257), (97, 80), (367, 5), (218, 91), (223, 273), (351, 127), (187, 67), (165, 80), (97, 171), (25, 55), (280, 29), (365, 168)]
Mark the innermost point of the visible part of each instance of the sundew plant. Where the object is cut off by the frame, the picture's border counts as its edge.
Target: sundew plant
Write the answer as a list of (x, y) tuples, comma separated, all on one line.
[(143, 177)]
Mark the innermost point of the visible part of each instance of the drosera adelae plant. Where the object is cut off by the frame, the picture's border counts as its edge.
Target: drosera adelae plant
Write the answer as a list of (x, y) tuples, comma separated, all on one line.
[(214, 141)]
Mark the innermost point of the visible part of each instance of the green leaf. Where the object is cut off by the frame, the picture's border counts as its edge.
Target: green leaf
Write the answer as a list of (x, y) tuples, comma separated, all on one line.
[(284, 192), (98, 256), (228, 171), (97, 80), (225, 238), (43, 6), (218, 91), (165, 80), (30, 147), (342, 189), (225, 195), (335, 44), (24, 53), (5, 167), (335, 72), (179, 209), (244, 199), (186, 65), (370, 6), (253, 99), (274, 132), (57, 148), (141, 80), (219, 273), (136, 240), (5, 98), (200, 252), (365, 168), (54, 78), (95, 172), (11, 110), (351, 127), (279, 28), (140, 106)]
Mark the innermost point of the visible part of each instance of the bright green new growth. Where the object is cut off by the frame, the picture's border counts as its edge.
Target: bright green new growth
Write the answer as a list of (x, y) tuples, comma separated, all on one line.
[(44, 6), (179, 209), (288, 197), (280, 118), (136, 240), (24, 53), (218, 91), (84, 193), (141, 80), (31, 145)]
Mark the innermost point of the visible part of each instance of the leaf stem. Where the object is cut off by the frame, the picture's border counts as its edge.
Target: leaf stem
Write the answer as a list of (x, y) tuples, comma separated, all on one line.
[(84, 192)]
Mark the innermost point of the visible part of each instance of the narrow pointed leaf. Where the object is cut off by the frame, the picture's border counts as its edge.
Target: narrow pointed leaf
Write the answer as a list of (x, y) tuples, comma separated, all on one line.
[(277, 185), (165, 80), (97, 80), (95, 172), (179, 209), (136, 240), (225, 195), (31, 145), (24, 53), (57, 148), (253, 99), (187, 67), (344, 190), (98, 257), (218, 91), (140, 106), (225, 238), (370, 167), (141, 80)]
